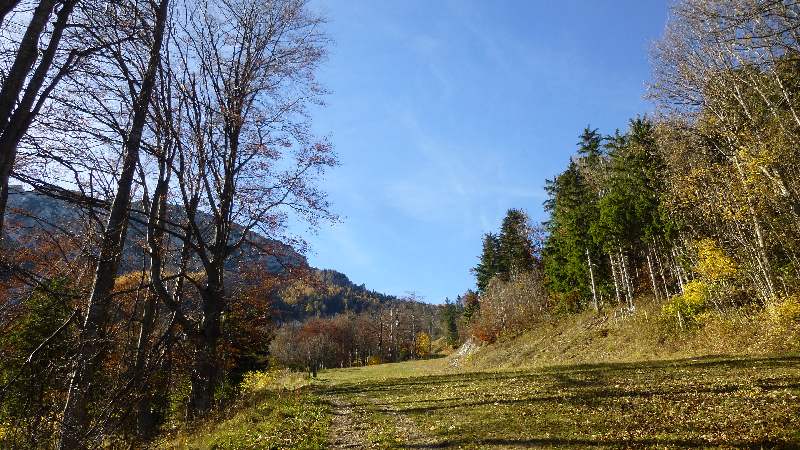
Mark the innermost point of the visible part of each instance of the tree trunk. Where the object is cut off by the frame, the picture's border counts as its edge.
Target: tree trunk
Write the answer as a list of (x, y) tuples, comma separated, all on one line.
[(627, 280), (203, 378), (614, 275), (661, 272), (205, 364), (16, 99), (677, 269), (591, 278), (652, 275), (91, 346)]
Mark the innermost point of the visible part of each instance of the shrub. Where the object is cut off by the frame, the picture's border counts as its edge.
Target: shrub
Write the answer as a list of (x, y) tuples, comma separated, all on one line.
[(785, 312), (374, 360), (712, 263), (510, 307), (256, 381), (686, 307), (567, 302)]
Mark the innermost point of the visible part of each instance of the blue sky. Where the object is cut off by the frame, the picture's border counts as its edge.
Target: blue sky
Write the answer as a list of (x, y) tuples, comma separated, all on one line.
[(447, 113)]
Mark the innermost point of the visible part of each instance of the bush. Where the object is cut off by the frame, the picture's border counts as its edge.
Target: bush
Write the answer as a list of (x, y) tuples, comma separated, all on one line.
[(785, 312), (256, 381), (685, 308), (567, 302), (712, 263), (510, 307)]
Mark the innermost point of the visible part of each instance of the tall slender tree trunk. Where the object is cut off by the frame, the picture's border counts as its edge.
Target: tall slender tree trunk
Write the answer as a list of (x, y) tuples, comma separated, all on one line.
[(143, 421), (652, 275), (677, 269), (91, 340), (761, 256), (626, 279), (591, 278), (661, 272), (18, 100), (614, 275)]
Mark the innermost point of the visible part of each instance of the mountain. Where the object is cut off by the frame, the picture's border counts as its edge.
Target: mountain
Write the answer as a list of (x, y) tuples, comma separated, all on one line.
[(34, 216)]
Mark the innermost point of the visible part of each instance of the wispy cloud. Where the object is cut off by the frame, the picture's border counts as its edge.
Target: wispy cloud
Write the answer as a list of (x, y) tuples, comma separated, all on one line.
[(454, 182)]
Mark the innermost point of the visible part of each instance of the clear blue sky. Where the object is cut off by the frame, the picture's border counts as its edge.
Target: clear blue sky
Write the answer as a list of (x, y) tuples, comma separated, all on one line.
[(447, 113)]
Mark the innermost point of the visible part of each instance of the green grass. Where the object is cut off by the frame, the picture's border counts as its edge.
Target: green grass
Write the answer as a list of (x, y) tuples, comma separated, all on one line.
[(732, 402), (277, 411), (711, 402), (588, 380), (384, 371)]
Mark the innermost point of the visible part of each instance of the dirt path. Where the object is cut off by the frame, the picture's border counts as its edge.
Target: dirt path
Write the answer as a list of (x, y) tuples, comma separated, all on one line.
[(348, 430), (356, 424)]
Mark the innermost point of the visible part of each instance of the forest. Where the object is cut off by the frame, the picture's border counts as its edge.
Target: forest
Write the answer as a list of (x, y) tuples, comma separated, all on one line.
[(176, 138), (695, 206), (158, 159)]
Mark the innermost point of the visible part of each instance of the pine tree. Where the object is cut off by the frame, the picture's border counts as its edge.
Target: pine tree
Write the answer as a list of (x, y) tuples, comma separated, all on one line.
[(516, 248), (590, 144), (572, 208), (450, 315), (471, 303), (489, 265)]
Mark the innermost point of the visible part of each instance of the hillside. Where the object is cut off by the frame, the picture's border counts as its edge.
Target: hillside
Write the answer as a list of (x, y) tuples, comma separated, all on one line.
[(327, 292), (35, 218), (586, 382), (616, 335)]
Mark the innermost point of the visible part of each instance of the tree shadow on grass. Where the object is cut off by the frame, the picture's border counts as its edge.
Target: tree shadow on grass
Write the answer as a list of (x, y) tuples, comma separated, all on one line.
[(568, 375), (620, 443), (586, 385), (587, 398)]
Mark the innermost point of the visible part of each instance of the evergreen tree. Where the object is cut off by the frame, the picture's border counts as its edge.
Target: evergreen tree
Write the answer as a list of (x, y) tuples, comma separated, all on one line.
[(450, 315), (489, 265), (590, 144), (572, 208), (516, 248), (471, 304)]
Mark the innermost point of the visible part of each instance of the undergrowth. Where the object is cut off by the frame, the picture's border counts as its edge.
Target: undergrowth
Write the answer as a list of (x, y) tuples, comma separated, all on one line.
[(648, 333), (276, 410)]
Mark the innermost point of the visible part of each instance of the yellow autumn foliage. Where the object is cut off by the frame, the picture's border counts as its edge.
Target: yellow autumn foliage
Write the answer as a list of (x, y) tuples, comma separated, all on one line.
[(686, 307), (785, 312), (256, 381), (422, 344), (712, 263)]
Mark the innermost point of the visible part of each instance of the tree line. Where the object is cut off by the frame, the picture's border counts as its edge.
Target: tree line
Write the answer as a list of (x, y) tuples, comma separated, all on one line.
[(397, 332), (696, 206), (184, 124)]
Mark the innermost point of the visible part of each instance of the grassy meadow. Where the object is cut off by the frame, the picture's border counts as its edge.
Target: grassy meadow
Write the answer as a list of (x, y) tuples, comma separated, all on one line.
[(714, 402)]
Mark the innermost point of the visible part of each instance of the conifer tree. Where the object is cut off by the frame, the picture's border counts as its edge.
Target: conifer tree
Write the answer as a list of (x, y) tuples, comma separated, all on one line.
[(449, 316), (572, 211), (516, 254), (489, 265)]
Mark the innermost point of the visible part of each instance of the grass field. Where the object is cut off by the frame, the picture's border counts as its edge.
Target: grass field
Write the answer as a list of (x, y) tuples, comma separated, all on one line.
[(711, 402)]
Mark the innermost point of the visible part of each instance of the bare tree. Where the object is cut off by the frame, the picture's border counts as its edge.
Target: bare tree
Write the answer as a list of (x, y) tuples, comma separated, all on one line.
[(726, 70), (245, 161), (91, 349), (33, 69)]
